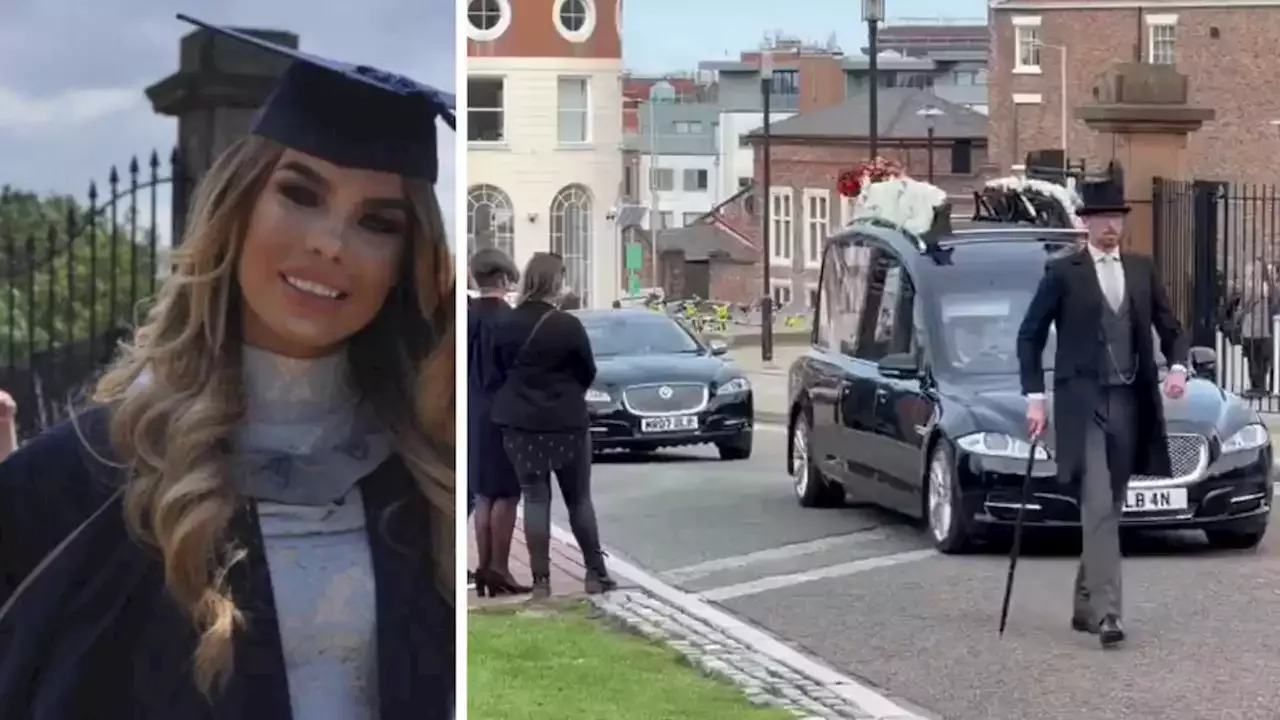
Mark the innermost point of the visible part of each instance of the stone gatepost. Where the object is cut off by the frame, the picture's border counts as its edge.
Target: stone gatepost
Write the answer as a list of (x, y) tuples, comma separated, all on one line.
[(215, 94), (1143, 118)]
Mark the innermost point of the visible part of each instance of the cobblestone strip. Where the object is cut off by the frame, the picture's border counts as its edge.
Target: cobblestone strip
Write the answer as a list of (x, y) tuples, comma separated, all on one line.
[(765, 681)]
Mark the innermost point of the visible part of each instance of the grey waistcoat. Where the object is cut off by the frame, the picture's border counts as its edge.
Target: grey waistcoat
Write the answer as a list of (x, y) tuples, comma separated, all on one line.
[(1117, 364)]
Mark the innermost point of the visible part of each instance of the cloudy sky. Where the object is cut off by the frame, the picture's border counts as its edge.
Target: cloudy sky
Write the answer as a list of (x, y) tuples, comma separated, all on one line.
[(72, 73)]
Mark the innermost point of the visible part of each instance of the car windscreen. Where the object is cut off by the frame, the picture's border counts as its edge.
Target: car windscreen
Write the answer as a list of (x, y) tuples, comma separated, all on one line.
[(638, 334), (978, 331)]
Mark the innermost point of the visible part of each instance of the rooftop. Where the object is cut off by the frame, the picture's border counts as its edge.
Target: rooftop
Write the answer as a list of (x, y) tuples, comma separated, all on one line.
[(899, 118)]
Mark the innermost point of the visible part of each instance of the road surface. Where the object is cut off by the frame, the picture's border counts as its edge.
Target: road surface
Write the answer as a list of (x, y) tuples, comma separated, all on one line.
[(863, 590)]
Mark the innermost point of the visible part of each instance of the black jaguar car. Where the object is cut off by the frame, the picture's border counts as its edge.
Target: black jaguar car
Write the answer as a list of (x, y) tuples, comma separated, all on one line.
[(659, 386), (909, 398)]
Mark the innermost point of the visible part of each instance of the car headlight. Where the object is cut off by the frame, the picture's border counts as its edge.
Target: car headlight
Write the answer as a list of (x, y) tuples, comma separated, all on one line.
[(736, 385), (1249, 437), (1000, 445), (597, 396)]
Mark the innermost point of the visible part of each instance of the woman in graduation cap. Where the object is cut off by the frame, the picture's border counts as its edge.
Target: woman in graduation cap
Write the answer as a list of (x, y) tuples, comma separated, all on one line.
[(257, 519)]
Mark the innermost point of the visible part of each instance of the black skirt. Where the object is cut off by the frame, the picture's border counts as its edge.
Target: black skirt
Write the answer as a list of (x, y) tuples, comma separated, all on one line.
[(534, 453), (489, 470)]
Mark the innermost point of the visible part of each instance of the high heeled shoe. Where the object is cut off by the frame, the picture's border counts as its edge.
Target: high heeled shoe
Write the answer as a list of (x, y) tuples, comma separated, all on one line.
[(492, 584)]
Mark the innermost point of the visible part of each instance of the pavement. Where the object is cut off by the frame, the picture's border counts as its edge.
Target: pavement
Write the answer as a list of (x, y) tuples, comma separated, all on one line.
[(768, 380), (567, 570), (854, 602)]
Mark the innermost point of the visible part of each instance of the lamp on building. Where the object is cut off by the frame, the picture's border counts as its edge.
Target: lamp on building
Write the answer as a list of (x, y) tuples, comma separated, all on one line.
[(766, 304), (873, 14), (930, 115)]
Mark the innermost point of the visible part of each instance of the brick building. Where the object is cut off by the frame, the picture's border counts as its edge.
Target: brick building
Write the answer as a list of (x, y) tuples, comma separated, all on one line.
[(719, 255), (1226, 49), (810, 151)]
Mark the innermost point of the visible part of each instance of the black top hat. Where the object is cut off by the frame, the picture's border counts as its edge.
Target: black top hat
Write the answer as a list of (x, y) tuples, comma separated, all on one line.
[(353, 116), (1104, 197)]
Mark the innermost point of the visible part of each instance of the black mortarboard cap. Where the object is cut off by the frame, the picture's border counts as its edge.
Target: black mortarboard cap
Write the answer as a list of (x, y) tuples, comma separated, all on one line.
[(353, 116)]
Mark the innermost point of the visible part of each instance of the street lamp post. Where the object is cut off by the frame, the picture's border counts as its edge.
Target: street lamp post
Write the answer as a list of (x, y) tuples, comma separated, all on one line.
[(930, 115), (655, 217), (766, 305), (872, 14)]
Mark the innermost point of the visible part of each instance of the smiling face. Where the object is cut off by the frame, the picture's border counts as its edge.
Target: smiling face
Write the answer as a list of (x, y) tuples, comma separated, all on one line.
[(322, 250)]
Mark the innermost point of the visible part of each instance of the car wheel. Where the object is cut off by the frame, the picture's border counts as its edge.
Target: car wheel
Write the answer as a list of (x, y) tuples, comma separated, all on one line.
[(737, 448), (1244, 539), (943, 506), (813, 489)]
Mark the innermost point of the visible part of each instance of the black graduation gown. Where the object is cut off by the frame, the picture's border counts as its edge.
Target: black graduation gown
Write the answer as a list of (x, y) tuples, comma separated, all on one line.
[(489, 470), (96, 635), (1070, 298)]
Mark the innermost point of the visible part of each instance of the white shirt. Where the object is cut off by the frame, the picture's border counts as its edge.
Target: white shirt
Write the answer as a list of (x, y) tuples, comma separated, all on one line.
[(1104, 263), (1108, 267)]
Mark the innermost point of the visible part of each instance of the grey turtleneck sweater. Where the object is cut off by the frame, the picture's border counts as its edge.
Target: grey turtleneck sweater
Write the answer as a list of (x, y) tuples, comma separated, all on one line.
[(318, 554)]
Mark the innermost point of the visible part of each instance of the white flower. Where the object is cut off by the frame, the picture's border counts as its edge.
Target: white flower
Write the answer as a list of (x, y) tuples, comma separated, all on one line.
[(1066, 197), (909, 204)]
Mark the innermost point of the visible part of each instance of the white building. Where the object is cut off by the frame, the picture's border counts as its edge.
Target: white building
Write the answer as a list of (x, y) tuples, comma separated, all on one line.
[(677, 163), (734, 157), (544, 132)]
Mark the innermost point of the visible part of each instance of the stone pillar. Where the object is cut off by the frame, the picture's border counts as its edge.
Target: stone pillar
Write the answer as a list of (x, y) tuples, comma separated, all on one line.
[(1143, 119), (215, 94)]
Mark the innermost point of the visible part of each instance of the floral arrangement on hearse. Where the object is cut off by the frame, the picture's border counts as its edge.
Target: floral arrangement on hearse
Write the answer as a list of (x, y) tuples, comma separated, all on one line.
[(882, 189)]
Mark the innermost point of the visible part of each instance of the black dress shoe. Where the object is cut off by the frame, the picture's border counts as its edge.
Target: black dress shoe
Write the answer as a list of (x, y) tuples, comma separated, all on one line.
[(1084, 624), (1110, 631)]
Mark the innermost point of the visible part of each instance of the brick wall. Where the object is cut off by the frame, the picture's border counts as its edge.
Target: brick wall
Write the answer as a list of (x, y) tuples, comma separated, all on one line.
[(1227, 52), (735, 282), (812, 165)]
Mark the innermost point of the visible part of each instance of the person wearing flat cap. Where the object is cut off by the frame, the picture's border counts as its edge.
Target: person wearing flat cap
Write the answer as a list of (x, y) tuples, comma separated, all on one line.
[(255, 517), (1108, 417)]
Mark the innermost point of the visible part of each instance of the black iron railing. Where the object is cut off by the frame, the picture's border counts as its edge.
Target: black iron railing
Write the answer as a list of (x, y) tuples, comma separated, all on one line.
[(73, 282)]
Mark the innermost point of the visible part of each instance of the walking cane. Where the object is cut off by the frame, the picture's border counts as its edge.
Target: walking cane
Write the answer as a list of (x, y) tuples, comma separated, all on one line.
[(1016, 549)]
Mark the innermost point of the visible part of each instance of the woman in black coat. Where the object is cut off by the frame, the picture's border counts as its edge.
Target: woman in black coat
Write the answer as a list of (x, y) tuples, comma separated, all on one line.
[(542, 409), (489, 472)]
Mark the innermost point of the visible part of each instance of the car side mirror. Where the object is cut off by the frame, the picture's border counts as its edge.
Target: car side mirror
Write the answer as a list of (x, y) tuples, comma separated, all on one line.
[(1204, 361), (902, 366), (717, 346)]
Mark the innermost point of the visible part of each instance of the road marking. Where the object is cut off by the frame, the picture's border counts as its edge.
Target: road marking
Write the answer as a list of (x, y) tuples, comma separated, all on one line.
[(770, 427), (776, 582), (863, 697), (784, 552)]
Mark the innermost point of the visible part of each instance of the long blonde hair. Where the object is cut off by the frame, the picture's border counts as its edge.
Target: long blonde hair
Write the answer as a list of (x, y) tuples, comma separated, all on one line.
[(172, 429)]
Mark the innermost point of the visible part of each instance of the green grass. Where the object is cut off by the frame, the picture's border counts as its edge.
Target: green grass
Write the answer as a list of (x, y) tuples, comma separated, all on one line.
[(558, 664)]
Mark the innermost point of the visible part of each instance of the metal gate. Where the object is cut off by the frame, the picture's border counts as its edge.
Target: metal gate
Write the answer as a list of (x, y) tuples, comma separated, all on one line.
[(1215, 248), (73, 281)]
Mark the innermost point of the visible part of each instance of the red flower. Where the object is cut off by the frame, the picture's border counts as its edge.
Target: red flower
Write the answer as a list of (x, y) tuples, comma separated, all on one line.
[(849, 184), (878, 170)]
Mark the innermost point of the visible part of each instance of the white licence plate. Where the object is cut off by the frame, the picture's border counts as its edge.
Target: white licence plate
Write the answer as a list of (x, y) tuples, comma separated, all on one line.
[(1156, 500), (673, 423)]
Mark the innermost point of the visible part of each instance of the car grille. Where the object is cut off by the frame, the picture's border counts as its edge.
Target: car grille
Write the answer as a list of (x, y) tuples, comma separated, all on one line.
[(1188, 454), (650, 400)]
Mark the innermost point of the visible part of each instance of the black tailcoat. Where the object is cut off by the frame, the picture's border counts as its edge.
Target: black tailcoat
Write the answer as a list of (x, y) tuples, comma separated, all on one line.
[(489, 470), (97, 636), (1070, 297)]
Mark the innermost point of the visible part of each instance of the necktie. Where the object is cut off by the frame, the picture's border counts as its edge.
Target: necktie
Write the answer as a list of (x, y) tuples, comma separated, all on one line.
[(1111, 281)]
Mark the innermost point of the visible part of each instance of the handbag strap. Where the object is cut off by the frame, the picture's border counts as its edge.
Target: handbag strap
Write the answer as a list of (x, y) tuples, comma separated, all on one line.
[(524, 347)]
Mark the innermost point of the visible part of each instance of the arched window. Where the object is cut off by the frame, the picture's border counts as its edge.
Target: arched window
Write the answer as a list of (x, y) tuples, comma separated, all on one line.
[(571, 237), (490, 220)]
